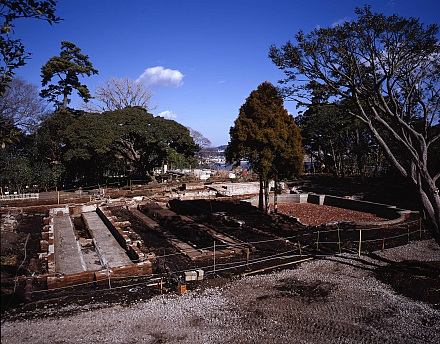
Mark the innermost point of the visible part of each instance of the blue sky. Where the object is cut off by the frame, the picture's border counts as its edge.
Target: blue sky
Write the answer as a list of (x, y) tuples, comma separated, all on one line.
[(201, 58)]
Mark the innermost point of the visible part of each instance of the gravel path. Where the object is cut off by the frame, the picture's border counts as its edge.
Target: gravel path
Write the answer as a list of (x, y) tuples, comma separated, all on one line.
[(333, 300)]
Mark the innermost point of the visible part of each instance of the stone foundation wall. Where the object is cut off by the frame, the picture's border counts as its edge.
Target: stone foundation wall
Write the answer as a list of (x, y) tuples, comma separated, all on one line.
[(53, 281), (390, 212)]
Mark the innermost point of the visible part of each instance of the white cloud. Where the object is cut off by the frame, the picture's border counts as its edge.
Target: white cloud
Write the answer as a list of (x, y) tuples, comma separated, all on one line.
[(160, 77), (168, 114), (341, 22)]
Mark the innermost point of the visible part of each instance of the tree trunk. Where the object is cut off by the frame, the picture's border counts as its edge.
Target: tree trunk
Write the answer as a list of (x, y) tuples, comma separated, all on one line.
[(266, 197), (275, 196), (430, 204), (65, 101), (418, 176)]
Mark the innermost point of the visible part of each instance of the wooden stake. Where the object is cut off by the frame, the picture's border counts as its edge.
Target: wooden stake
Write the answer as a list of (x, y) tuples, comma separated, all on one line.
[(407, 227), (247, 258), (214, 257), (420, 228), (317, 242), (383, 244), (299, 246), (360, 241), (339, 241), (58, 197)]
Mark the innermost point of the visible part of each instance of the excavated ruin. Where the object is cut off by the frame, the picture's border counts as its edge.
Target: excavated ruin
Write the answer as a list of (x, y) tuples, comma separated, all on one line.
[(176, 237)]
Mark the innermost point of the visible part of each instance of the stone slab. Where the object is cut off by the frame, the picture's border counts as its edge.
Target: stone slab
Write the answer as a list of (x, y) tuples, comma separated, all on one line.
[(68, 257), (109, 251)]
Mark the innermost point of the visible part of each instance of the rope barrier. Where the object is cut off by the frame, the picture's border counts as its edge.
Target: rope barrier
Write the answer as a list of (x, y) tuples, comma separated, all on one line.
[(247, 263), (233, 265)]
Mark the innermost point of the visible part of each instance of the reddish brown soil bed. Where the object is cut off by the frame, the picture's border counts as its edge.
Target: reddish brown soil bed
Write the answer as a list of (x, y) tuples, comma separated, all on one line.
[(314, 214)]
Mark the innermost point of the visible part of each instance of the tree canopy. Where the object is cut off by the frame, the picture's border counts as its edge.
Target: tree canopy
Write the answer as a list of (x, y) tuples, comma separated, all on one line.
[(67, 67), (130, 137), (267, 136), (12, 50), (388, 68)]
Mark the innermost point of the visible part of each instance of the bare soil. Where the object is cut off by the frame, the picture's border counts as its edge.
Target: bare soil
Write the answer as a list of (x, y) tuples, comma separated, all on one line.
[(315, 215), (275, 236), (328, 300)]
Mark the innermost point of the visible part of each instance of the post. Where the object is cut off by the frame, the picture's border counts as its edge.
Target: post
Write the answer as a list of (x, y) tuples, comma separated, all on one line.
[(360, 241), (58, 197), (317, 242), (214, 257), (299, 246), (109, 281), (339, 241), (407, 227), (420, 228), (247, 258), (383, 244)]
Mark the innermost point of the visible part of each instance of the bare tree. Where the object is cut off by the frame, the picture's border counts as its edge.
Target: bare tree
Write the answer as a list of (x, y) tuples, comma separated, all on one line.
[(199, 139), (389, 68), (117, 94), (203, 143), (20, 106)]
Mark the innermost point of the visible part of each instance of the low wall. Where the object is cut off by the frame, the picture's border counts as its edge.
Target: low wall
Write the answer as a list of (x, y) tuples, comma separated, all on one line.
[(20, 196), (124, 241), (61, 281)]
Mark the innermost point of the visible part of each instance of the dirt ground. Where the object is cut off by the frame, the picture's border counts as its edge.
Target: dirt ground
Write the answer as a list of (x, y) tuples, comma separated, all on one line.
[(389, 296), (329, 300)]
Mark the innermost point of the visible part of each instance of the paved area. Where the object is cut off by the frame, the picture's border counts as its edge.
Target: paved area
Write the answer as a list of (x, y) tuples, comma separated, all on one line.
[(108, 249), (68, 257)]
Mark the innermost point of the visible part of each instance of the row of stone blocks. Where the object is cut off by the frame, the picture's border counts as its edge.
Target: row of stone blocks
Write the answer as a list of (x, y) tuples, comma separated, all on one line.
[(144, 267), (47, 245), (53, 281), (132, 247)]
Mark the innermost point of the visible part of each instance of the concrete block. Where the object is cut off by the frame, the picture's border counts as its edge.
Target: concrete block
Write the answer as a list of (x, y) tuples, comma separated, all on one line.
[(200, 274), (190, 276), (316, 199)]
